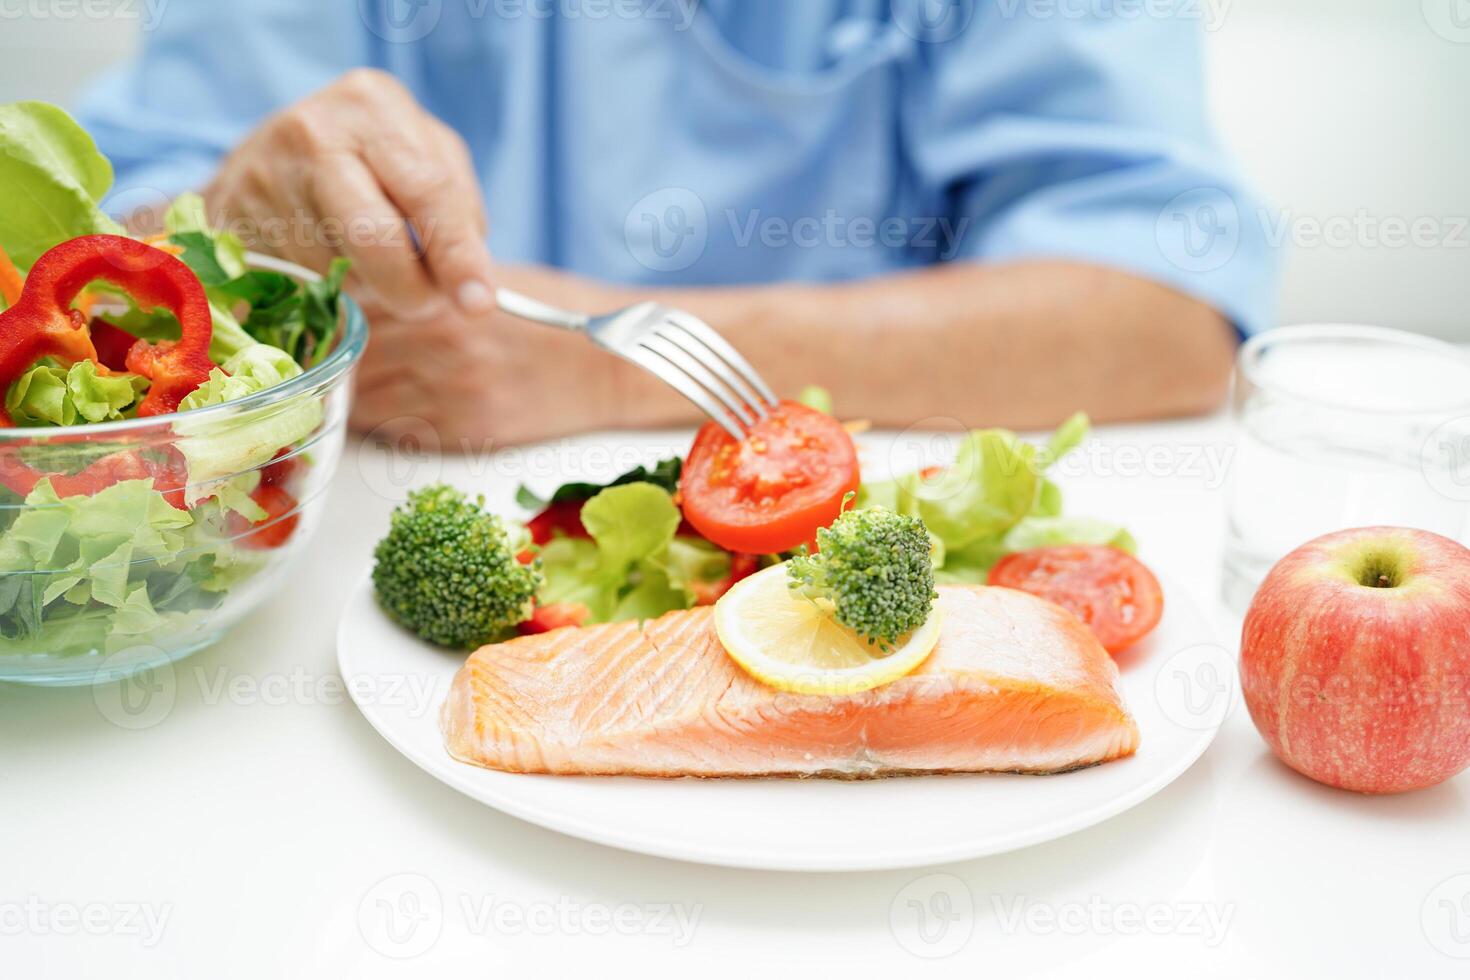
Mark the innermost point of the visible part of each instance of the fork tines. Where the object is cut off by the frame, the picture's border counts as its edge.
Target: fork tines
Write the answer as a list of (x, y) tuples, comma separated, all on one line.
[(702, 366)]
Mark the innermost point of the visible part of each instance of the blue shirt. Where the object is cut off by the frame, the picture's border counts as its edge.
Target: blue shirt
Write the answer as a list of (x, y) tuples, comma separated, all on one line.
[(738, 141)]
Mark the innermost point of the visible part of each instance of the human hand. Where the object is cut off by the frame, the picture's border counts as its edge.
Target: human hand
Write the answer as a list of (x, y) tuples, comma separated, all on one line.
[(347, 171), (468, 383)]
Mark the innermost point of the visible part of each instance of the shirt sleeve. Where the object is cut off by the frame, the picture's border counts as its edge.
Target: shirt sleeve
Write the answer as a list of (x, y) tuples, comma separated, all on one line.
[(1042, 131), (208, 72)]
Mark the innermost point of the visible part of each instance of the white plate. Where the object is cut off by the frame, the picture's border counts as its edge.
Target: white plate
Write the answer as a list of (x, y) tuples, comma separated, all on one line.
[(1177, 684)]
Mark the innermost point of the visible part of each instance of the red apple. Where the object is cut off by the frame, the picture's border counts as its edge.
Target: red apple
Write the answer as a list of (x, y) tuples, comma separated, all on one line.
[(1355, 659)]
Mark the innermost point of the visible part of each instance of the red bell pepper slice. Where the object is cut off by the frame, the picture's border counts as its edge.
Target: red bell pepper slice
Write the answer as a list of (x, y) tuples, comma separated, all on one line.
[(112, 344), (42, 323), (169, 475)]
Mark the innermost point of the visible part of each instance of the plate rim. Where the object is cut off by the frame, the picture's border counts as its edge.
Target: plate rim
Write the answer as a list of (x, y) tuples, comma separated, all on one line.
[(713, 854)]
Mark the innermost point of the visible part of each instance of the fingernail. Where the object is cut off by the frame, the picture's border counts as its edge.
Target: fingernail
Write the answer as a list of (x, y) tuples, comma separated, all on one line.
[(475, 297)]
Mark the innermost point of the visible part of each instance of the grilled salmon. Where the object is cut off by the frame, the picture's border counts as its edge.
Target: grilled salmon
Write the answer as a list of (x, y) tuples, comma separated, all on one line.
[(1015, 684)]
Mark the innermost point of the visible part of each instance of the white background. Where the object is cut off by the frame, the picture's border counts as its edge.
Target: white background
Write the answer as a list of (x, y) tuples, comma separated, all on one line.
[(1348, 114)]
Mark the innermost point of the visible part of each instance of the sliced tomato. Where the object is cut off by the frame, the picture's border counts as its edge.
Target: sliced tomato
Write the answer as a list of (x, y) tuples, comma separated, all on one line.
[(547, 618), (1111, 591), (772, 490), (273, 530), (565, 517), (282, 469)]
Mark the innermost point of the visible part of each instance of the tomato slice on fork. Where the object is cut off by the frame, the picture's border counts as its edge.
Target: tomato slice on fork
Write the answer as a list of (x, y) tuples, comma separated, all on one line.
[(770, 491)]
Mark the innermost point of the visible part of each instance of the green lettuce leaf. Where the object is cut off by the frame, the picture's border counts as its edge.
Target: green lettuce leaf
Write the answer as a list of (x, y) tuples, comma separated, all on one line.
[(215, 256), (53, 178), (1046, 532), (82, 575), (691, 562), (216, 450), (50, 395), (298, 317), (630, 523), (972, 563), (627, 569), (80, 549), (1068, 436), (994, 499), (255, 368), (992, 483), (814, 396)]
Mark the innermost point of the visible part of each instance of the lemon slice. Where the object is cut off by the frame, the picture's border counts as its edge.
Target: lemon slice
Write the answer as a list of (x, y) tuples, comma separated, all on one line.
[(794, 644)]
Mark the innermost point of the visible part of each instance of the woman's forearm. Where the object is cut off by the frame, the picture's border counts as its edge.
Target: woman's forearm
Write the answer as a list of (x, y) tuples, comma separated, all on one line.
[(1019, 345)]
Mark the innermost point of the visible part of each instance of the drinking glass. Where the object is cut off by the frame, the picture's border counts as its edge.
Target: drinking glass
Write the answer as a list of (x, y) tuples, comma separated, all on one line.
[(1340, 426)]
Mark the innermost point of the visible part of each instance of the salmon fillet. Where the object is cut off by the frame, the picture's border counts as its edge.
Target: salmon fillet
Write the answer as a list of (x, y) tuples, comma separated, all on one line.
[(1015, 684)]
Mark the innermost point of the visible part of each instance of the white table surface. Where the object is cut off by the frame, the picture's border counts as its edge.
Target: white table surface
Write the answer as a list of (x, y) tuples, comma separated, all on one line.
[(258, 827)]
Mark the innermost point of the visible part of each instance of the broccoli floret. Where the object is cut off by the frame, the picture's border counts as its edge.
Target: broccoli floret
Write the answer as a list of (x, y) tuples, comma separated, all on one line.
[(448, 570), (875, 568)]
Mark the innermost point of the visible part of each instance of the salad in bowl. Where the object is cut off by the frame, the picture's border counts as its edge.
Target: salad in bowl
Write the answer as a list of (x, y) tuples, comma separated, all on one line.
[(173, 410)]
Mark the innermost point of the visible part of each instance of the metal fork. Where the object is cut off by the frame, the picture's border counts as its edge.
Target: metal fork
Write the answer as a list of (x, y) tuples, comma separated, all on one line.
[(678, 347)]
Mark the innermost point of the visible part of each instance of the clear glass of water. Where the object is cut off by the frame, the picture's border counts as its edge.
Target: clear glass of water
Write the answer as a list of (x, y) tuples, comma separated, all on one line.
[(1340, 426)]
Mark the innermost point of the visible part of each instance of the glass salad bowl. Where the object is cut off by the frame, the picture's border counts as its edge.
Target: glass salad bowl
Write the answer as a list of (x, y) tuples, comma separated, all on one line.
[(149, 538)]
